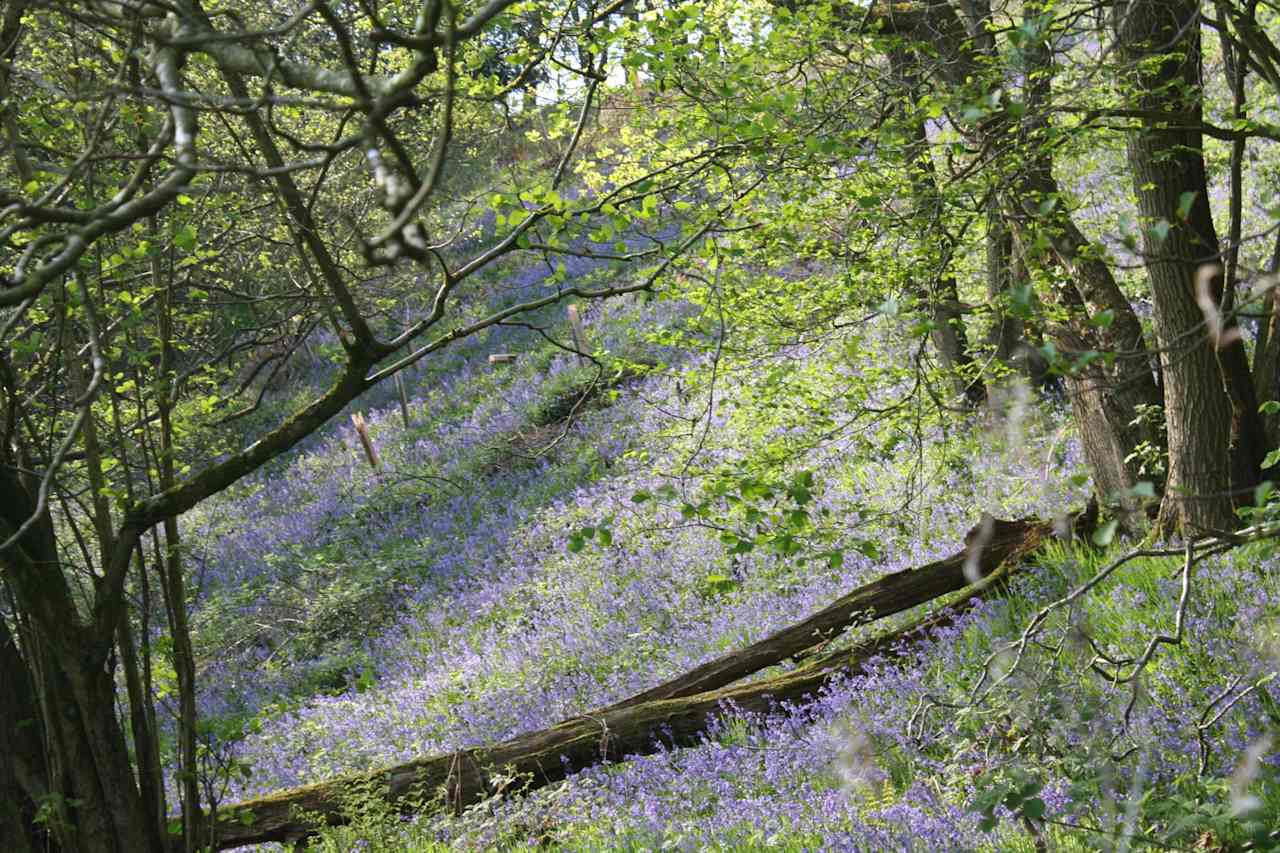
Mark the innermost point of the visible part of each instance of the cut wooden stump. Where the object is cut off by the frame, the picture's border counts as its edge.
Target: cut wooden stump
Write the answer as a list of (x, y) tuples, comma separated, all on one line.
[(676, 712), (502, 358)]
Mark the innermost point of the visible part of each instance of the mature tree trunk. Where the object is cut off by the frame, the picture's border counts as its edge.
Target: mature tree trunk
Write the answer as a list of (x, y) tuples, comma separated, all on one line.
[(1106, 392), (1266, 359), (24, 777), (1005, 334), (1215, 435), (89, 790)]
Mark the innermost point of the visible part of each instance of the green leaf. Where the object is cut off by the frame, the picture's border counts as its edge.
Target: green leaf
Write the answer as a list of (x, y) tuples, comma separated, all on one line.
[(185, 237), (1143, 490), (1271, 459), (1103, 536), (868, 549), (1103, 319), (1184, 204), (720, 584), (1159, 231), (1270, 407), (640, 497), (1033, 808)]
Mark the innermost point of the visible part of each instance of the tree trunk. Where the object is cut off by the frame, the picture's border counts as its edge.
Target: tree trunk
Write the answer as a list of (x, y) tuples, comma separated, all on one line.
[(1214, 431), (173, 584), (1005, 335), (986, 549), (89, 790), (1266, 359), (1107, 369), (24, 777)]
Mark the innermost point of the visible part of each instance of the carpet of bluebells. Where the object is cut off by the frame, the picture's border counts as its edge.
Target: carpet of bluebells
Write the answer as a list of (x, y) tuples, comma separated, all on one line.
[(349, 618)]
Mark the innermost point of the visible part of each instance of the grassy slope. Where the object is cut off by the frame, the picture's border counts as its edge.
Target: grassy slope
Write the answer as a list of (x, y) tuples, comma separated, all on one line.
[(348, 619)]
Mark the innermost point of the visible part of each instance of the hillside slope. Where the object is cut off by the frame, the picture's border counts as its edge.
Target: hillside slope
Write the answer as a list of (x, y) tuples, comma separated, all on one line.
[(467, 591)]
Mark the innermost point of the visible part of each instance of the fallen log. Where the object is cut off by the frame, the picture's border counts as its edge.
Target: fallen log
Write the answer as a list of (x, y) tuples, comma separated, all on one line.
[(985, 550), (669, 711)]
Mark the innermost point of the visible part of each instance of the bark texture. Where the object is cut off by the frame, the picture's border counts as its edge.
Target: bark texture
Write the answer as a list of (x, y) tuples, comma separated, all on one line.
[(1214, 431), (23, 773), (89, 791), (985, 550), (1266, 359)]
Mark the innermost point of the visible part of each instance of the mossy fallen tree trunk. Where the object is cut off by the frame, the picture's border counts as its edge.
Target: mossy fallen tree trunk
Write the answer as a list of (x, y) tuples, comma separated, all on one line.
[(678, 711), (984, 551)]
